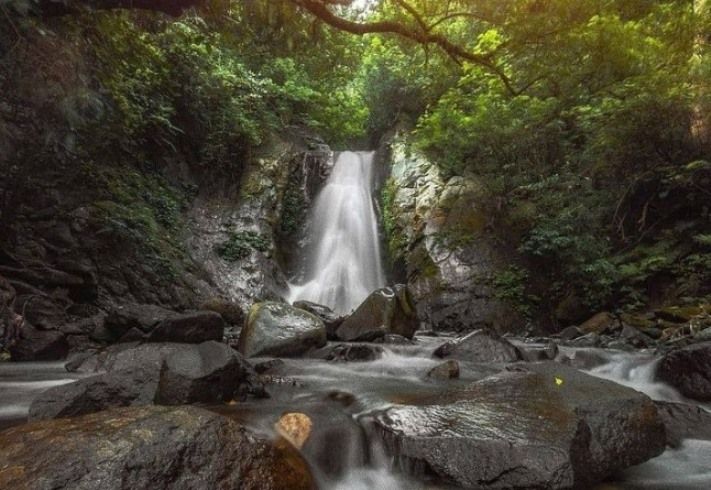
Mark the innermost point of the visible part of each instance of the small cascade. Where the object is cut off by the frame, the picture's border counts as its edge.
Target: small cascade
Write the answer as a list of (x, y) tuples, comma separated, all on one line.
[(343, 263)]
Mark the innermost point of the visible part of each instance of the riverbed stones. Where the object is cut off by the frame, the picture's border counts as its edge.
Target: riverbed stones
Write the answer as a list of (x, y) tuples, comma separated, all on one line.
[(147, 447), (210, 372), (479, 346), (280, 330), (688, 370), (539, 425), (386, 311)]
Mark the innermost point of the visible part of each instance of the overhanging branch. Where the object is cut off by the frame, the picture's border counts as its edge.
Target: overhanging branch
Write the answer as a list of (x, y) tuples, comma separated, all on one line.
[(422, 36)]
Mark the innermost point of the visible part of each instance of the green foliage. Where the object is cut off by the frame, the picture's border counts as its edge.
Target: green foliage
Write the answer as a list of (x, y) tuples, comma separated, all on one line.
[(591, 158), (139, 209), (511, 285), (240, 245)]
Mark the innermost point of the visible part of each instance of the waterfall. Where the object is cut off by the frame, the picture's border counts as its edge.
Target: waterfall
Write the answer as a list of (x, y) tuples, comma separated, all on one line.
[(343, 262)]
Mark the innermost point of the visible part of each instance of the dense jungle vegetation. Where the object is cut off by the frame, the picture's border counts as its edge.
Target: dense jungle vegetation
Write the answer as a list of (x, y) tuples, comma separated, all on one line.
[(588, 121)]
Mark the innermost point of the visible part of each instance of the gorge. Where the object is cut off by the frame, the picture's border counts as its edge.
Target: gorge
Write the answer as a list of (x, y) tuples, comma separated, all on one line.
[(290, 244)]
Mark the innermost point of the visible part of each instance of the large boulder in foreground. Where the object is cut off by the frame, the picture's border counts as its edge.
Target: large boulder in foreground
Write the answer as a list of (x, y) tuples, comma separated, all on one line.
[(688, 370), (278, 329), (146, 447), (386, 311), (539, 426), (479, 346), (210, 372)]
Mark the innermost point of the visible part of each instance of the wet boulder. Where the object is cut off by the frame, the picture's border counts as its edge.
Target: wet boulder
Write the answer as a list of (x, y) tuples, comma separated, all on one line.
[(539, 352), (479, 346), (147, 447), (277, 329), (330, 319), (688, 370), (386, 311), (191, 327), (208, 372), (538, 425), (140, 317), (134, 386), (683, 421), (171, 374)]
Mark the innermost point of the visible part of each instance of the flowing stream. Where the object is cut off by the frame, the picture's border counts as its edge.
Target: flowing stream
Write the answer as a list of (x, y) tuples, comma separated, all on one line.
[(340, 396), (343, 263), (343, 267)]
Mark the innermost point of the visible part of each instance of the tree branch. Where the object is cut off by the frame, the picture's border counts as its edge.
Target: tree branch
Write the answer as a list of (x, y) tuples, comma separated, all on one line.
[(322, 12)]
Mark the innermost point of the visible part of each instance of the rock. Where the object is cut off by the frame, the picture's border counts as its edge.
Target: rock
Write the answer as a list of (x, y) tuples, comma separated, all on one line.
[(354, 353), (535, 353), (142, 317), (688, 370), (119, 357), (636, 338), (147, 447), (385, 311), (479, 346), (541, 426), (584, 359), (570, 333), (588, 340), (394, 339), (703, 335), (680, 314), (230, 311), (39, 345), (295, 428), (447, 370), (329, 318), (268, 367), (192, 327), (131, 387), (277, 329), (209, 372), (684, 421), (600, 323)]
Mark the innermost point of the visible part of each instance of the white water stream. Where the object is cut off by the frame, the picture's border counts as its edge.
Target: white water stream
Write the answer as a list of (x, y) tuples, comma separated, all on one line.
[(343, 264)]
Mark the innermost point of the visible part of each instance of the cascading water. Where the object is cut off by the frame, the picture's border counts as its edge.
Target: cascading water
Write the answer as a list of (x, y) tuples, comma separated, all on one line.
[(344, 264)]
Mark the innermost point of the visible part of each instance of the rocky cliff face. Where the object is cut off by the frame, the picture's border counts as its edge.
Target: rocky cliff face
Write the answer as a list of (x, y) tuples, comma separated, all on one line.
[(439, 240)]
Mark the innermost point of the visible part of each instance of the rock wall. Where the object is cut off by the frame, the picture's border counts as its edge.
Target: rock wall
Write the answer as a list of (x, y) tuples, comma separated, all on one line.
[(84, 230), (439, 241)]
